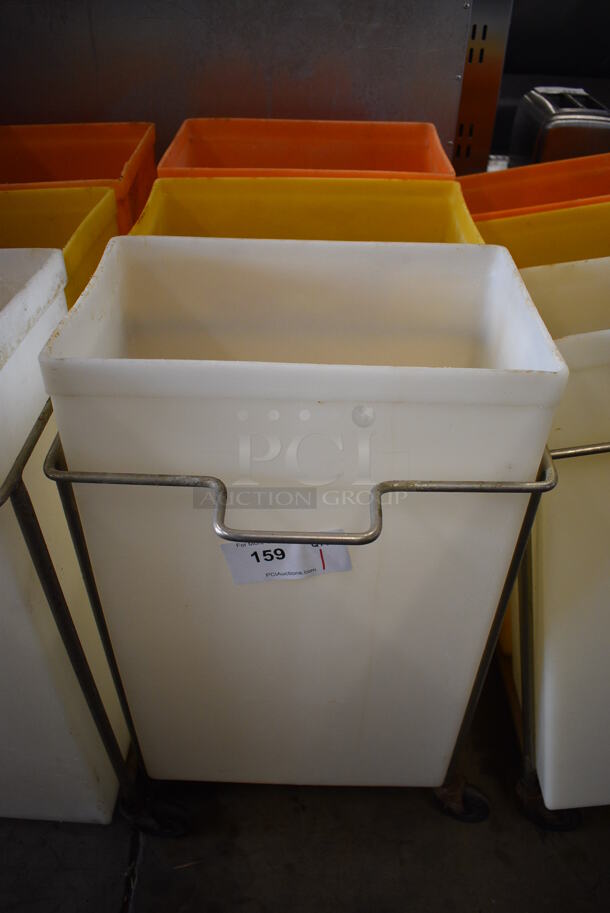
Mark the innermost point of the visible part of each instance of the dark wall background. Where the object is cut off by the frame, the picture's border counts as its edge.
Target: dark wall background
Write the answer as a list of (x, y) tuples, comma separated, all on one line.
[(553, 42), (161, 60), (560, 36)]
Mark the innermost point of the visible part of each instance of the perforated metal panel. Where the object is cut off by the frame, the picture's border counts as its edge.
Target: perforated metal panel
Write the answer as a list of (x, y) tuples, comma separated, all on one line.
[(483, 68)]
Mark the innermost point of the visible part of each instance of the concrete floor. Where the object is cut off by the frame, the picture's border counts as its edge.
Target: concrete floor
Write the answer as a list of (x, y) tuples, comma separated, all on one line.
[(288, 850)]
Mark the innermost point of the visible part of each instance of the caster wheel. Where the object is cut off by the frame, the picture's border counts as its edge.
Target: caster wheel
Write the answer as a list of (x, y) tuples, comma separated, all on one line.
[(463, 802)]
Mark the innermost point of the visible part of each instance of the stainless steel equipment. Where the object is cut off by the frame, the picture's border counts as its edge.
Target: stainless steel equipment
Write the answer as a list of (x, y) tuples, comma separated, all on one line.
[(110, 60), (558, 123)]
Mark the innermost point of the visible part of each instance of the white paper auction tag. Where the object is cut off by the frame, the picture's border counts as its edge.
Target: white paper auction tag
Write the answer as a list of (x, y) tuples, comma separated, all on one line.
[(252, 562)]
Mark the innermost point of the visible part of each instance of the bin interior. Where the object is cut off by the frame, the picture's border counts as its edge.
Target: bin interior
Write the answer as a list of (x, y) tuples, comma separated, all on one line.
[(66, 152), (331, 209), (572, 298), (294, 145), (436, 306), (44, 218)]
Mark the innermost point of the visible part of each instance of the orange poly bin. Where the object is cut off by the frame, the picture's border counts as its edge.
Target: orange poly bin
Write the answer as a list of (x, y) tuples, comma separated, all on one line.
[(121, 156), (245, 147), (535, 188)]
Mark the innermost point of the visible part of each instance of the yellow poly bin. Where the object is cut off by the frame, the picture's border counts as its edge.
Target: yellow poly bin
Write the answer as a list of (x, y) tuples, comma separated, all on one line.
[(79, 220), (557, 236), (329, 209)]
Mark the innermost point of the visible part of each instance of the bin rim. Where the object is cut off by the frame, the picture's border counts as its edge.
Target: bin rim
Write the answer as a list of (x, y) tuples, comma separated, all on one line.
[(120, 184), (536, 171), (167, 168), (100, 199), (448, 192), (290, 380), (572, 233)]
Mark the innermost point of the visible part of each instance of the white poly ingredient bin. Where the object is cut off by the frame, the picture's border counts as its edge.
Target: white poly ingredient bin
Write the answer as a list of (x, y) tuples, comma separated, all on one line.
[(572, 547), (52, 763), (300, 365)]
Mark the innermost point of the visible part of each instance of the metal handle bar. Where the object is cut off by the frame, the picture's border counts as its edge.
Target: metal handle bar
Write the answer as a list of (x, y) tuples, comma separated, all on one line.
[(546, 483), (566, 453)]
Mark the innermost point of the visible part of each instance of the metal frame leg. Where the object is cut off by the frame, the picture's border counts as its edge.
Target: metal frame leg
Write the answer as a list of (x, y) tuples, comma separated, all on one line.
[(456, 797), (14, 489), (41, 559), (529, 794), (526, 652), (68, 500)]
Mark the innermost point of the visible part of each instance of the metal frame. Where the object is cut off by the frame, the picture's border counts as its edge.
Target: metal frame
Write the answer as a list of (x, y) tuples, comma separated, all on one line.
[(520, 569), (13, 489), (450, 797), (530, 793)]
